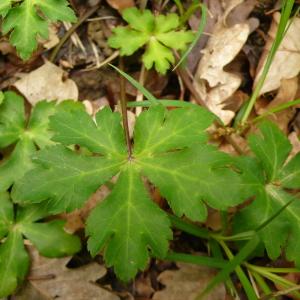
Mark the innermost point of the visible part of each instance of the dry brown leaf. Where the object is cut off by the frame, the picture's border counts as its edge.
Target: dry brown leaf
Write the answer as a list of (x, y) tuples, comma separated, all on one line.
[(52, 39), (120, 4), (47, 82), (286, 93), (213, 84), (286, 63), (295, 141), (51, 279), (188, 282)]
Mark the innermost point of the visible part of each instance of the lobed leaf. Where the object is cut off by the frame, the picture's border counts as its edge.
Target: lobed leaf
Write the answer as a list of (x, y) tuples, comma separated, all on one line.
[(27, 24), (158, 55), (120, 40), (169, 149), (267, 177), (142, 21), (191, 178), (106, 137), (158, 33), (127, 224), (64, 178), (159, 130)]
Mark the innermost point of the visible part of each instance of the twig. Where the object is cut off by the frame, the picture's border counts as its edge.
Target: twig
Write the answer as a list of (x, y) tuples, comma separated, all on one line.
[(69, 33)]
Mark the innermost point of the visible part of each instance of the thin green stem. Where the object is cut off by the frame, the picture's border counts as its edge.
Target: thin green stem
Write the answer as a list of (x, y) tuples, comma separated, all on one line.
[(200, 30), (189, 228), (197, 260), (240, 273), (262, 283), (166, 103), (71, 31), (123, 103), (276, 109)]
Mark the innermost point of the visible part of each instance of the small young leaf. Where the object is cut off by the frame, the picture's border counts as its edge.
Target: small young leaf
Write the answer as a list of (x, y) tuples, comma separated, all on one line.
[(26, 23), (128, 226), (158, 33)]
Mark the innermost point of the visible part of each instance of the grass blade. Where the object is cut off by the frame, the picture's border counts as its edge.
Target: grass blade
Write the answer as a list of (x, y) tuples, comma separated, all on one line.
[(231, 266), (211, 262), (198, 35), (138, 86), (282, 27), (167, 103)]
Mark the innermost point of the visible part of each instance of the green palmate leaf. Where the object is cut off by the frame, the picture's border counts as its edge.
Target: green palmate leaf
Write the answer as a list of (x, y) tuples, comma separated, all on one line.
[(128, 226), (50, 239), (160, 34), (26, 137), (14, 263), (268, 177), (26, 23), (169, 148)]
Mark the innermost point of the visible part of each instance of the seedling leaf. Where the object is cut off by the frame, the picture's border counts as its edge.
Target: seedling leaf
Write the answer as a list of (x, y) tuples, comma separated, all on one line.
[(159, 33)]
